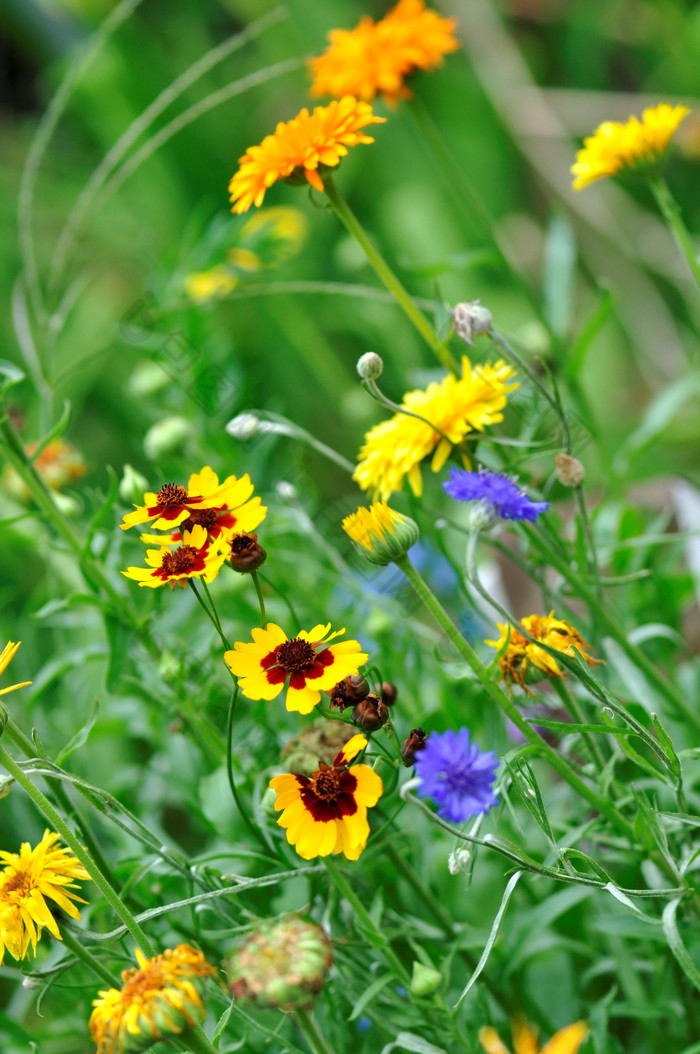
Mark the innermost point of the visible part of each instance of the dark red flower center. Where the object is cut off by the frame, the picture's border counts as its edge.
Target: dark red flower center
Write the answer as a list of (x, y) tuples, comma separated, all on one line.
[(325, 783), (295, 654), (171, 494), (203, 517), (181, 561), (329, 793)]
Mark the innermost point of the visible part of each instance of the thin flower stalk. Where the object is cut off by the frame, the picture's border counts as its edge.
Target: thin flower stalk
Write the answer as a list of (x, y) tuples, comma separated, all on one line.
[(672, 215)]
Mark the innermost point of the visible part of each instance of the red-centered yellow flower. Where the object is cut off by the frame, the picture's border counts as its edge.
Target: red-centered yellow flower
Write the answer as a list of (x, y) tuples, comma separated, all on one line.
[(157, 1000), (566, 1041), (8, 654), (525, 663), (197, 557), (451, 409), (326, 812), (307, 662), (218, 507), (374, 58), (298, 148), (26, 880), (636, 146)]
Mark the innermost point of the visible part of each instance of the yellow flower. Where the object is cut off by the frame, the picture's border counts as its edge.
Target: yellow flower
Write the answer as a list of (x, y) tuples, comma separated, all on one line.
[(8, 654), (26, 879), (524, 662), (265, 666), (197, 557), (380, 534), (326, 812), (157, 1000), (298, 147), (270, 238), (374, 58), (394, 449), (634, 146), (210, 285), (566, 1041)]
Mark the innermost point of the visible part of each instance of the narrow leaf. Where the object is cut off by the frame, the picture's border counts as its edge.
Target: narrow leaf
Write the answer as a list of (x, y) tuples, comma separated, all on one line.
[(492, 936)]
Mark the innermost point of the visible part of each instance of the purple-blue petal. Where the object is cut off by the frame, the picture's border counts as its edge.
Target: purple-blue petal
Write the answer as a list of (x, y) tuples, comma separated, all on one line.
[(456, 775), (501, 492)]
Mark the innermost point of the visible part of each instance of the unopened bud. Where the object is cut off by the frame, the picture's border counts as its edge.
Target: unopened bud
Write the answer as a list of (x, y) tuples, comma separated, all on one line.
[(243, 426), (287, 492), (132, 486), (281, 964), (5, 785), (425, 979), (481, 516), (370, 366), (166, 435), (470, 320), (370, 714), (246, 553), (458, 861), (409, 748), (570, 471), (387, 691), (350, 690)]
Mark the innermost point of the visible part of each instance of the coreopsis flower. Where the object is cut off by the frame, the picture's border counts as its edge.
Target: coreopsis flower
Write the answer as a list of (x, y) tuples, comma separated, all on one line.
[(380, 534), (634, 147), (8, 654), (281, 965), (452, 409), (566, 1041), (197, 557), (157, 1000), (299, 148), (375, 58), (222, 508), (456, 775), (326, 812), (307, 663), (526, 663), (500, 493), (27, 880)]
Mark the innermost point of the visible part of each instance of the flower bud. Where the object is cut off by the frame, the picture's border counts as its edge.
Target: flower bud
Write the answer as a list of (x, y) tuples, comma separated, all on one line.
[(570, 472), (370, 366), (350, 690), (246, 553), (409, 748), (243, 426), (132, 486), (481, 516), (370, 714), (470, 320), (5, 785), (281, 964), (425, 979), (165, 436), (287, 492), (387, 691), (458, 861), (380, 534)]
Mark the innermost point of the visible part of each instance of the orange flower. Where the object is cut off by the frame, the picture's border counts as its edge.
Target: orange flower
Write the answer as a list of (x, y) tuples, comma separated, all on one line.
[(374, 58), (298, 148)]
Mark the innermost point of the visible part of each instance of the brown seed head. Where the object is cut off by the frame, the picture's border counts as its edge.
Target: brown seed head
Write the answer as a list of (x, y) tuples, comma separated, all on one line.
[(370, 714)]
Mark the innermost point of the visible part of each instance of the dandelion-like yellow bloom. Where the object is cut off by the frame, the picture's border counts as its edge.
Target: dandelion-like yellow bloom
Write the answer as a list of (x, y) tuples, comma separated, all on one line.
[(306, 661), (8, 654), (566, 1041), (375, 58), (326, 812), (454, 407), (380, 534), (636, 146), (26, 880), (525, 663), (299, 147), (157, 1000)]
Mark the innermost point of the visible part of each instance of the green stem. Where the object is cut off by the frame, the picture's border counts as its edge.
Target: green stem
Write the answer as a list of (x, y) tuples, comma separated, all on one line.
[(672, 214), (229, 772), (571, 705), (387, 276), (211, 614), (261, 599), (505, 704), (89, 959), (56, 821), (194, 1041), (365, 918), (315, 1038)]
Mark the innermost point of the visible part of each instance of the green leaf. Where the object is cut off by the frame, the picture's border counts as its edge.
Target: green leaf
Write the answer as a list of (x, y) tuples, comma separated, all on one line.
[(119, 636), (57, 430), (658, 415), (9, 375), (492, 936), (675, 943), (579, 349), (81, 736), (629, 751), (369, 994), (559, 268), (413, 1043), (667, 744)]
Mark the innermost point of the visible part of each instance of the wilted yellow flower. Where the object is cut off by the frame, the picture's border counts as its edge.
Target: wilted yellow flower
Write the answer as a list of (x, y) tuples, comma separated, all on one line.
[(375, 58), (26, 879), (8, 654), (156, 1001), (566, 1041), (525, 663), (380, 534), (637, 146), (394, 449), (299, 147)]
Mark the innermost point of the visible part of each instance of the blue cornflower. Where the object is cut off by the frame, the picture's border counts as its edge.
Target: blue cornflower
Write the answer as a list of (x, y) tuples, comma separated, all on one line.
[(456, 775), (500, 492)]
